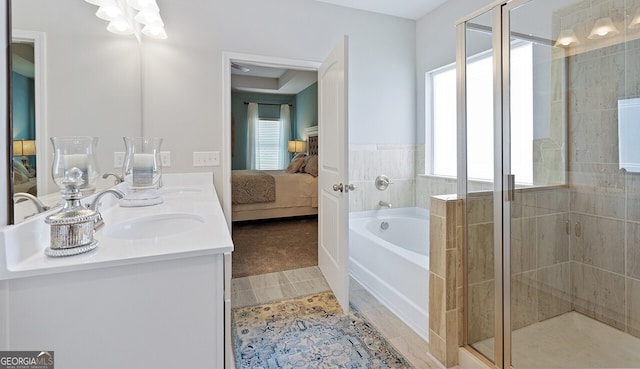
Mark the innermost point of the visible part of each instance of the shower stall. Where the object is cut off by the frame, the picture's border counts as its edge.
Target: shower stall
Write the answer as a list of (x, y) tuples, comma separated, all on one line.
[(552, 260)]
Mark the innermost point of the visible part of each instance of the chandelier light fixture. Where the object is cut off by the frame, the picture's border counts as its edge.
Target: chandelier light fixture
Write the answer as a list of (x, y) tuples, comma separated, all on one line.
[(131, 17)]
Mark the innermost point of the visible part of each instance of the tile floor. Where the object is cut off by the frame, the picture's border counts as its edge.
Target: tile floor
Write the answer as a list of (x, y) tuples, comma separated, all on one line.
[(302, 282), (571, 340)]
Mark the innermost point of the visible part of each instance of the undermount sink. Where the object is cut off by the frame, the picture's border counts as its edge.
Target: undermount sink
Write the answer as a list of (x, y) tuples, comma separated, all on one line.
[(154, 226)]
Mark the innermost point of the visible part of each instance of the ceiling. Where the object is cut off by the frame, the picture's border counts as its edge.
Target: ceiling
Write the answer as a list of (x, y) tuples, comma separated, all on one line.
[(270, 80), (411, 9)]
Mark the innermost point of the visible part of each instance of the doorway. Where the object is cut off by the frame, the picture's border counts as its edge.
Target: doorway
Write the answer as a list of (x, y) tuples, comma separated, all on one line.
[(280, 235)]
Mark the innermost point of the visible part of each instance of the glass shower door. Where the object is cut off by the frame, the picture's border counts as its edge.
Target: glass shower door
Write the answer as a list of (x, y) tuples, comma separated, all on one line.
[(573, 287), (476, 176)]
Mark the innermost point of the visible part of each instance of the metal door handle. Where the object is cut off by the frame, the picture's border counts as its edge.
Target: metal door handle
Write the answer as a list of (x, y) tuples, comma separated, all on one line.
[(338, 187), (350, 187)]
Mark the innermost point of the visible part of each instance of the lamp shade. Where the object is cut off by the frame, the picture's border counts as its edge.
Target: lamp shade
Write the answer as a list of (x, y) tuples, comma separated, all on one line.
[(297, 146), (24, 147), (604, 27)]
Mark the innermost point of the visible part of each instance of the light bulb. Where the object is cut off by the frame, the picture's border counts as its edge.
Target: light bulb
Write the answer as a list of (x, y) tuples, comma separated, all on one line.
[(148, 17), (109, 12), (155, 32)]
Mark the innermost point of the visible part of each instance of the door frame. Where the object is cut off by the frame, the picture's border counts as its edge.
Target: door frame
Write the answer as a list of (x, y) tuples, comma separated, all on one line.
[(39, 41), (265, 61)]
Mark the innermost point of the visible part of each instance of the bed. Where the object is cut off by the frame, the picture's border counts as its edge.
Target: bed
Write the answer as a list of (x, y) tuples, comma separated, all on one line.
[(277, 193), (24, 179)]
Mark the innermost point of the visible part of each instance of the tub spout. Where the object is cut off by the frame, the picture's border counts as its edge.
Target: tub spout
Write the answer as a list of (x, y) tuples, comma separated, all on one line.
[(385, 204)]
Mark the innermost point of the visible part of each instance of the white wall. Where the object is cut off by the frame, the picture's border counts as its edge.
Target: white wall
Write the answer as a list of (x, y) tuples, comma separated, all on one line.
[(93, 76), (183, 74)]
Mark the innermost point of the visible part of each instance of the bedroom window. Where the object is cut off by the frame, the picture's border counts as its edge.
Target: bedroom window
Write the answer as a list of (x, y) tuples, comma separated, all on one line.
[(441, 110), (269, 148)]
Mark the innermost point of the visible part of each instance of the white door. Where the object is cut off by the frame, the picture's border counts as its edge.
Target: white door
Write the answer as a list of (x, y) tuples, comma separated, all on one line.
[(333, 251)]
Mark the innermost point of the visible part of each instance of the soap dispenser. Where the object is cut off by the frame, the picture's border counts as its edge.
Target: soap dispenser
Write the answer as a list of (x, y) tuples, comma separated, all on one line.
[(72, 228)]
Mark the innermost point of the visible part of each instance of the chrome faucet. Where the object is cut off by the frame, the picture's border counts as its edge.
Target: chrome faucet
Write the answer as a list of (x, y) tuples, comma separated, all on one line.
[(118, 179), (95, 204), (39, 205), (385, 204)]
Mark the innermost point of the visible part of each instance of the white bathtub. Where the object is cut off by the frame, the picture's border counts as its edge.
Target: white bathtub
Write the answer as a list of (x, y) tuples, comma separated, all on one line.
[(393, 263)]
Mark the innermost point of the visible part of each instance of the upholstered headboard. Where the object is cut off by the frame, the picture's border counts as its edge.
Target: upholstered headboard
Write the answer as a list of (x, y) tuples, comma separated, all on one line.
[(312, 140)]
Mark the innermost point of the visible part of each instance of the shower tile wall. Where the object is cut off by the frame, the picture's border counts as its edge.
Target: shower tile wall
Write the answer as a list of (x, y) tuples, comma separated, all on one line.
[(604, 201), (396, 161)]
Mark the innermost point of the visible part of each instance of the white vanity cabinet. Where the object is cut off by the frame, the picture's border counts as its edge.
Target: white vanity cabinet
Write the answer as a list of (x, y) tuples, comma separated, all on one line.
[(143, 303)]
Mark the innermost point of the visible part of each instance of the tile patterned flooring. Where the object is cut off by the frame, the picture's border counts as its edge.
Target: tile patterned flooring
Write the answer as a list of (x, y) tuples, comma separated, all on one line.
[(290, 284)]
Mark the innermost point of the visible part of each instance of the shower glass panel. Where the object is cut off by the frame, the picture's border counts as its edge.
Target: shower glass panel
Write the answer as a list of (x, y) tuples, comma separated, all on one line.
[(479, 79), (573, 91)]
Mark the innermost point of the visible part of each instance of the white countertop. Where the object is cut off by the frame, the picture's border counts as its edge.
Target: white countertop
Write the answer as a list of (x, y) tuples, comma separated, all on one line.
[(22, 245)]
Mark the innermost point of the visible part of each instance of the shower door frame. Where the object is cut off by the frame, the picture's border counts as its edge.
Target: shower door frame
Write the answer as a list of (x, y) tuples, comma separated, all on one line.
[(504, 183)]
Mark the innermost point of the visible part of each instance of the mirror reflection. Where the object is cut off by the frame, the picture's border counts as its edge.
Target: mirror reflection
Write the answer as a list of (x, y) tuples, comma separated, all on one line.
[(69, 78)]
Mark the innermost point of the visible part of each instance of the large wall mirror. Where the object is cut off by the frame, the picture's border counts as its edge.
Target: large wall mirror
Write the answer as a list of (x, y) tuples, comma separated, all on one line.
[(70, 77)]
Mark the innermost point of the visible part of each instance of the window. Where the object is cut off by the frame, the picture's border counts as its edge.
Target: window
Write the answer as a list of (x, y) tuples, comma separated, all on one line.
[(268, 144), (442, 105)]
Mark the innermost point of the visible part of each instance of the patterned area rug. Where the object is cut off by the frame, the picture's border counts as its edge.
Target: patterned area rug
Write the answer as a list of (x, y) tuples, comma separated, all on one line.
[(309, 332)]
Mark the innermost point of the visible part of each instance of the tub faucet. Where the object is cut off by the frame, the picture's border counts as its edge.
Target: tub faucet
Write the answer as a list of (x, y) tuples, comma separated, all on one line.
[(95, 204), (39, 205), (385, 204)]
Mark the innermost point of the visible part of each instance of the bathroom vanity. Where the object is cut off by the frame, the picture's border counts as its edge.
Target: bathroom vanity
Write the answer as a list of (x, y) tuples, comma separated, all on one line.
[(153, 294)]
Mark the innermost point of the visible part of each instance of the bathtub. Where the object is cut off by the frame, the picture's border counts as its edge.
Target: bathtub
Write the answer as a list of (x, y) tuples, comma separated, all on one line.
[(389, 257)]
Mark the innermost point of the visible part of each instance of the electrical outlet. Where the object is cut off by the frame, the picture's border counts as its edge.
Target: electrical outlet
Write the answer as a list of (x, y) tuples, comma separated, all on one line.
[(206, 158), (118, 159), (165, 159)]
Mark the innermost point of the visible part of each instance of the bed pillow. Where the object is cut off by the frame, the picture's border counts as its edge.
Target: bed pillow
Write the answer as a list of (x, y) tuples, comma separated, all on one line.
[(311, 165), (296, 164)]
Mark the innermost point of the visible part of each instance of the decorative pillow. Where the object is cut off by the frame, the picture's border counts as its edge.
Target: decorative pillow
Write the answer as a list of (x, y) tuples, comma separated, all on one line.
[(296, 164), (311, 165)]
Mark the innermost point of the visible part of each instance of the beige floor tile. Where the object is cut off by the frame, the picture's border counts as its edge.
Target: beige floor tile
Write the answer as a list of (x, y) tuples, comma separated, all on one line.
[(387, 323), (363, 301), (275, 293), (416, 350), (303, 274), (240, 284), (243, 298), (310, 287), (262, 281)]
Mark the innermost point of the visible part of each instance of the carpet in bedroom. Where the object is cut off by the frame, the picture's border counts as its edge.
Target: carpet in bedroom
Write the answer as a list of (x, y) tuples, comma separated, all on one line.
[(274, 245)]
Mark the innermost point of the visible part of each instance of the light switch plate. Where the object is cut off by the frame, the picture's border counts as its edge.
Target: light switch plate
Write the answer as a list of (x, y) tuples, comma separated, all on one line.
[(206, 158)]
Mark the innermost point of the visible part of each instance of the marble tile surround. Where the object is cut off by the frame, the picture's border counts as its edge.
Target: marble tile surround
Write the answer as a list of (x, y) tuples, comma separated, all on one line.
[(396, 161)]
